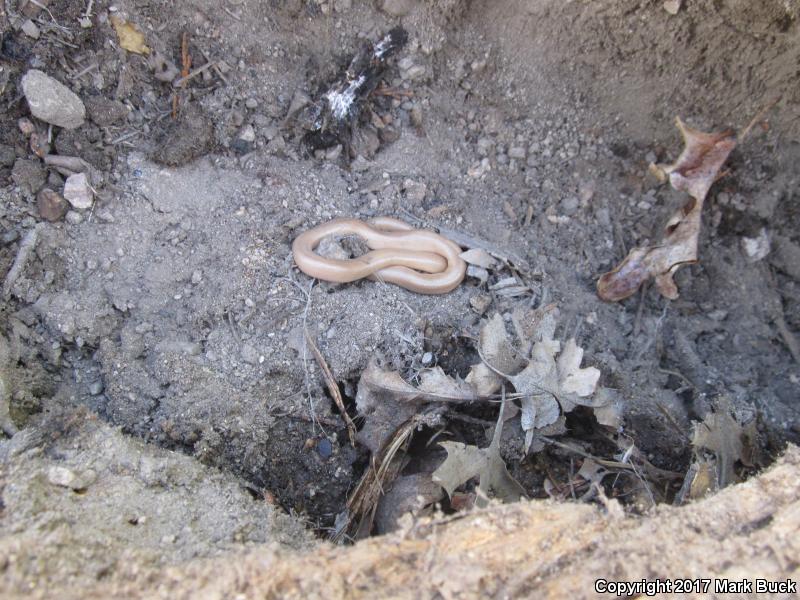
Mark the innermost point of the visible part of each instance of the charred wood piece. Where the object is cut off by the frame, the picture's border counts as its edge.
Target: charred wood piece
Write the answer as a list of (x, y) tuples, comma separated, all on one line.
[(330, 119)]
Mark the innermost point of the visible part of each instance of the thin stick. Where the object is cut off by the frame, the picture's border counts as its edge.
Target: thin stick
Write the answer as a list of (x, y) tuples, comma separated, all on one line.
[(83, 72), (759, 117), (333, 388), (193, 74), (26, 247)]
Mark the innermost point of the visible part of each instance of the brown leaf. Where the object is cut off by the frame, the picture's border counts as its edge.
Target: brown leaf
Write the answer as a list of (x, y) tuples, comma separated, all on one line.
[(387, 401), (464, 462), (496, 349), (553, 385), (408, 494), (696, 169), (722, 435)]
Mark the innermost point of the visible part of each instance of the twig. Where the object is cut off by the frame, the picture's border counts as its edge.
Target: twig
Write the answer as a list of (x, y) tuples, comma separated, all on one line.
[(124, 137), (71, 163), (234, 15), (312, 413), (671, 420), (333, 388), (637, 324), (84, 71), (679, 375), (26, 247), (198, 71), (216, 68), (759, 117)]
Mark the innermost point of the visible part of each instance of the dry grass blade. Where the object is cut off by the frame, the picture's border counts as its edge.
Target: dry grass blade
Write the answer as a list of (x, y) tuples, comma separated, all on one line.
[(333, 388), (363, 501)]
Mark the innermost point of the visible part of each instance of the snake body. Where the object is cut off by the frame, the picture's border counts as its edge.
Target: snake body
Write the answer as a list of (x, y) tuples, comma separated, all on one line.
[(418, 260)]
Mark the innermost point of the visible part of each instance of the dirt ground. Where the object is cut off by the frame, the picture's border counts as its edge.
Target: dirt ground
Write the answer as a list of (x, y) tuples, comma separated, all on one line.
[(152, 346)]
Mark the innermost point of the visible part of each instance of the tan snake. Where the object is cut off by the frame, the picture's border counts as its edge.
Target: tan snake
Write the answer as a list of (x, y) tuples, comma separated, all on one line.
[(419, 260)]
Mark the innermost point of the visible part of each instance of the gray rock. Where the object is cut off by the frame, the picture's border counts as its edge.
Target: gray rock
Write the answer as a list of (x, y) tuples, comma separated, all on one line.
[(333, 153), (485, 145), (30, 29), (28, 174), (415, 191), (249, 354), (269, 131), (96, 388), (74, 218), (74, 480), (78, 192), (7, 155), (415, 73), (247, 134), (398, 8), (516, 152), (366, 142), (359, 164), (52, 101), (277, 146), (570, 205)]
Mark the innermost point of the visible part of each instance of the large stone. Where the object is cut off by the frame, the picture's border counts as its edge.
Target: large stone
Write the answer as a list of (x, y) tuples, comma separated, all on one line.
[(51, 101)]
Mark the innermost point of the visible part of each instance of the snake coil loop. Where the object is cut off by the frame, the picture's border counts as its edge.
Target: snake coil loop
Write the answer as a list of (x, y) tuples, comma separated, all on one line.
[(419, 260)]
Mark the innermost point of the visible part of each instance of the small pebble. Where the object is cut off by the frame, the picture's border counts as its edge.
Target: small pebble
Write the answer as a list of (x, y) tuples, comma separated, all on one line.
[(325, 448), (517, 152), (74, 218), (480, 303), (30, 29), (74, 480), (427, 359), (52, 207), (247, 134), (78, 192)]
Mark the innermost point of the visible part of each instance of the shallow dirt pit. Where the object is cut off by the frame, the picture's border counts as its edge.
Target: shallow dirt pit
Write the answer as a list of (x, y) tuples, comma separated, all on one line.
[(172, 310)]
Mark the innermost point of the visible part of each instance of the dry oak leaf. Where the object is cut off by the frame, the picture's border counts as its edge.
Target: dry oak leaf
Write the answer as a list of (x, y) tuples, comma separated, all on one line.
[(130, 38), (695, 171), (551, 385), (497, 350), (386, 400), (722, 435), (464, 462)]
